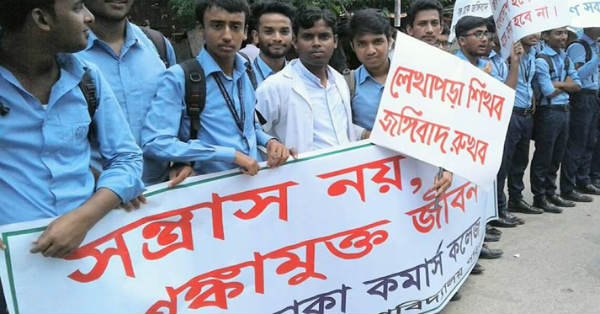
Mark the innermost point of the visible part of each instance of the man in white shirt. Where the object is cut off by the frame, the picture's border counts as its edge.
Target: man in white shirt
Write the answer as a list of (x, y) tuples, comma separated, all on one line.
[(307, 104)]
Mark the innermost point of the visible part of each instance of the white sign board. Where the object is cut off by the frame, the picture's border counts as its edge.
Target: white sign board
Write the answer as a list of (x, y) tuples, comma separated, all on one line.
[(352, 230), (453, 116)]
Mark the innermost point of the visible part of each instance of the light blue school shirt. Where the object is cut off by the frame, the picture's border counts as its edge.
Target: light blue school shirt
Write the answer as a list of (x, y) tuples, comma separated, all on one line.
[(367, 96), (544, 81), (46, 153), (166, 132), (524, 88), (588, 72), (133, 76)]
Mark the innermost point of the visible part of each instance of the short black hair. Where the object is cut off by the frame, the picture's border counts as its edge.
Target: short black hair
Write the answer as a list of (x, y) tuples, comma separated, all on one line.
[(491, 24), (307, 17), (370, 21), (265, 7), (467, 23), (231, 6), (422, 5), (13, 13)]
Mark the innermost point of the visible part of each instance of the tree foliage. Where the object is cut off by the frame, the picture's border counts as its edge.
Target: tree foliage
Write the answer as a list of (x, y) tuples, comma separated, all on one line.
[(185, 8)]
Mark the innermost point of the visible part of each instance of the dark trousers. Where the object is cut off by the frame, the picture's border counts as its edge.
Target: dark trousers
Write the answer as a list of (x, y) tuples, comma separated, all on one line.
[(595, 162), (551, 131), (583, 121), (515, 157)]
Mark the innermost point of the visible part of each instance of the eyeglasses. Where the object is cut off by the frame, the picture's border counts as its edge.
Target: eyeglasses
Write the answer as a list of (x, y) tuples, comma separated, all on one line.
[(480, 35)]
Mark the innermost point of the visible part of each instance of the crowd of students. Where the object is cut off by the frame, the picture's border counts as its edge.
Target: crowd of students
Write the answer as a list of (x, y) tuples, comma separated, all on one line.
[(92, 109)]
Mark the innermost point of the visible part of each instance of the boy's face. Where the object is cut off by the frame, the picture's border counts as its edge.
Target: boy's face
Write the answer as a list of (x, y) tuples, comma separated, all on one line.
[(315, 45), (476, 42), (557, 38), (223, 32), (113, 10), (426, 27), (531, 40), (70, 25), (274, 35), (371, 49)]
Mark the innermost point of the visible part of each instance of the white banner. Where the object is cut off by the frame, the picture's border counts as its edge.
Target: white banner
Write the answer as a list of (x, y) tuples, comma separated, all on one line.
[(516, 19), (585, 13), (463, 8), (353, 230), (453, 116)]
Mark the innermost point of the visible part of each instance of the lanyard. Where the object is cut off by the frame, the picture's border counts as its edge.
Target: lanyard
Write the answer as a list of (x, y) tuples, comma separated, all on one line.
[(527, 70), (259, 69), (238, 120)]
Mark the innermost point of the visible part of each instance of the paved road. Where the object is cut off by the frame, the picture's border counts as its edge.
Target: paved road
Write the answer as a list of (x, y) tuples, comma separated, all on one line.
[(551, 265)]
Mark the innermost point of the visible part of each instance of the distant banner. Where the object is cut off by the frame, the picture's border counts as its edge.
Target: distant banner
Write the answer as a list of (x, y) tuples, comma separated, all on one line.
[(463, 8), (516, 19), (453, 116), (352, 230), (584, 13)]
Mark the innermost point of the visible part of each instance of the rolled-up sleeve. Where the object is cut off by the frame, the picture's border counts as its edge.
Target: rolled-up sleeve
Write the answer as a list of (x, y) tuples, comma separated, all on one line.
[(573, 73), (122, 157)]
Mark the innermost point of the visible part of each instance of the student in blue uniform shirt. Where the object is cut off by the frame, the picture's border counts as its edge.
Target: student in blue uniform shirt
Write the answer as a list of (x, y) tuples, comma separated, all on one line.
[(515, 157), (583, 118), (44, 133), (273, 33), (131, 64), (473, 39), (228, 136), (552, 122)]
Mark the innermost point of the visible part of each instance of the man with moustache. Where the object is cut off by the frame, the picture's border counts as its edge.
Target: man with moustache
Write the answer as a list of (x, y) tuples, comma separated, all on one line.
[(552, 120), (227, 133), (131, 64), (46, 127), (274, 35), (307, 104)]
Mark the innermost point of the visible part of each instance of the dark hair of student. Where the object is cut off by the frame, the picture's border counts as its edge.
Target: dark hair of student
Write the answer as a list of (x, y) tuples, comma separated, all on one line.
[(231, 6), (265, 7), (13, 13), (491, 24), (307, 17), (370, 21), (467, 23), (422, 5)]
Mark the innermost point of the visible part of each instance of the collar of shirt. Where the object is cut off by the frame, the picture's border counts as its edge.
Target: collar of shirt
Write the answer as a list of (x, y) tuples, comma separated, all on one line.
[(131, 39), (210, 66), (480, 61), (363, 75), (264, 70), (71, 68), (551, 52), (313, 79)]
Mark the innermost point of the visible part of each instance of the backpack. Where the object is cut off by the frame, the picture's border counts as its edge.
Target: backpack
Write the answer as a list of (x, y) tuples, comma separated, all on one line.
[(158, 40), (351, 81), (88, 88), (195, 92), (538, 96)]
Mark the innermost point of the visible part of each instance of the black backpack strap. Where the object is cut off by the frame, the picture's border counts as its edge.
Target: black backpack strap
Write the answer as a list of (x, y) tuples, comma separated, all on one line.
[(586, 46), (159, 41), (195, 93), (250, 71), (548, 60), (88, 88)]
